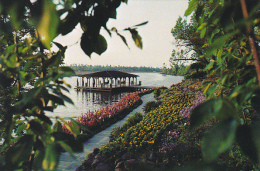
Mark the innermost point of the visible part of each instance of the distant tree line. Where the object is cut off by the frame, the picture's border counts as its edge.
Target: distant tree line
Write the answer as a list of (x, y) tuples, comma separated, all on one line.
[(182, 70), (84, 68)]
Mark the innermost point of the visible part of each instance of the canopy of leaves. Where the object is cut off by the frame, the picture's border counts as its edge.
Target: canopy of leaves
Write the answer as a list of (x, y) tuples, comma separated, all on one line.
[(230, 30), (32, 77)]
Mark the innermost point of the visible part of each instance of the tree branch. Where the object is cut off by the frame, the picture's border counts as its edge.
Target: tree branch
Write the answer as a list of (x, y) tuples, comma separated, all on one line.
[(251, 40), (190, 59)]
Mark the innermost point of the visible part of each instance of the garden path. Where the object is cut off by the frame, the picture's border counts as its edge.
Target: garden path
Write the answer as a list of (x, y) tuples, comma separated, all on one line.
[(67, 163)]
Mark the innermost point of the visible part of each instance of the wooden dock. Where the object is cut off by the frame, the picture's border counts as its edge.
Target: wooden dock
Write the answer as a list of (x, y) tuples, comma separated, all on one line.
[(114, 89), (116, 81)]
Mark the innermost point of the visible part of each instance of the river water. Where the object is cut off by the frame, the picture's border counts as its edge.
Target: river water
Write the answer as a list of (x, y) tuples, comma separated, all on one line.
[(85, 101)]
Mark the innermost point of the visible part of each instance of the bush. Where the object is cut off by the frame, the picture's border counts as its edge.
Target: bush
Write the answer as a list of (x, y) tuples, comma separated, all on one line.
[(150, 106), (115, 133), (199, 74), (159, 91), (132, 120)]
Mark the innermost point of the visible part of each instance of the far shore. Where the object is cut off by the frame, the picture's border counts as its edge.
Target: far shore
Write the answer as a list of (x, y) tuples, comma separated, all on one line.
[(79, 73)]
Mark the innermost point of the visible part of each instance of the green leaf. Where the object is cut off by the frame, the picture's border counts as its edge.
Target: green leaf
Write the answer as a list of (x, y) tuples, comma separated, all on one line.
[(74, 127), (202, 113), (39, 157), (21, 128), (113, 14), (71, 127), (210, 65), (219, 55), (122, 37), (244, 96), (141, 24), (6, 27), (66, 72), (206, 88), (12, 61), (101, 45), (137, 38), (17, 11), (51, 158), (5, 81), (225, 79), (67, 148), (44, 118), (69, 23), (220, 42), (19, 152), (57, 127), (211, 90), (255, 101), (56, 59), (63, 97), (236, 91), (58, 45), (64, 88), (28, 98), (202, 26), (55, 99), (192, 6), (90, 44), (9, 50), (67, 69), (48, 23), (76, 145), (219, 139), (86, 44), (81, 125), (221, 108), (36, 127), (248, 139), (203, 32), (199, 11)]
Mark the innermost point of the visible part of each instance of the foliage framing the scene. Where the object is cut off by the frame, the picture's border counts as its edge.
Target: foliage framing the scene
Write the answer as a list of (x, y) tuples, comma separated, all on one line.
[(231, 30), (31, 76)]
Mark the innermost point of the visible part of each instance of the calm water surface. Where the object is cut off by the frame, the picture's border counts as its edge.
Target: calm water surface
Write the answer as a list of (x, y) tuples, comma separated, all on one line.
[(85, 101)]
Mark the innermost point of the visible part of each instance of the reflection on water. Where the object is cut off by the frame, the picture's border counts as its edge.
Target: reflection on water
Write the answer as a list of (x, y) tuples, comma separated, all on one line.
[(100, 98)]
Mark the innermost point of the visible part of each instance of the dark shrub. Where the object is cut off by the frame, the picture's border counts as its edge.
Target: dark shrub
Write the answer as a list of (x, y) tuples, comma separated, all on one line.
[(150, 106), (158, 92), (132, 120)]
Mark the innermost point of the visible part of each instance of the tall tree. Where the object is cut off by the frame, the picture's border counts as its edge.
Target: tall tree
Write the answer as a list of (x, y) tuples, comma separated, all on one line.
[(174, 60), (186, 36), (190, 45)]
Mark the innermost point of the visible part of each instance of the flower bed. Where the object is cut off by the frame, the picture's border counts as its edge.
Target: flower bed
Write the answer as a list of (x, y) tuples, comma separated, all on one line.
[(98, 120), (147, 132), (178, 145), (199, 98), (94, 119), (163, 140)]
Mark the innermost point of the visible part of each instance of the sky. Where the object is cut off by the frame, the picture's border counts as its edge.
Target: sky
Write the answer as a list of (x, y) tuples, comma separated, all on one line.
[(158, 41)]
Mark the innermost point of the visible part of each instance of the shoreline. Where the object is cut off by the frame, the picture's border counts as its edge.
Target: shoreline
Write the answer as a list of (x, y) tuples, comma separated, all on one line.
[(79, 73)]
